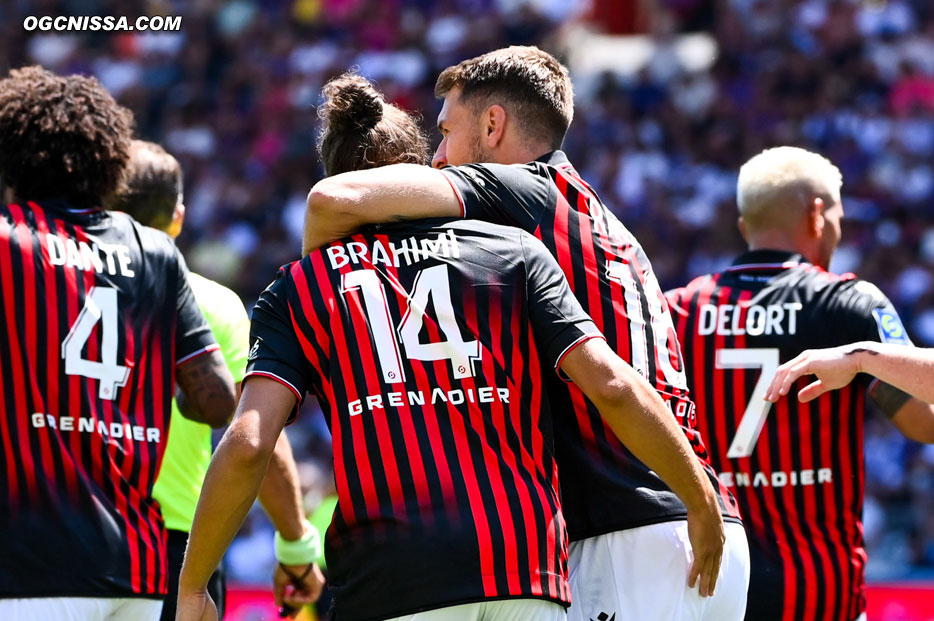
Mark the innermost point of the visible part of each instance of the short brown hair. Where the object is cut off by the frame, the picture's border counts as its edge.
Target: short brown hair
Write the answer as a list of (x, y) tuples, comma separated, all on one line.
[(151, 185), (61, 137), (531, 84), (360, 130)]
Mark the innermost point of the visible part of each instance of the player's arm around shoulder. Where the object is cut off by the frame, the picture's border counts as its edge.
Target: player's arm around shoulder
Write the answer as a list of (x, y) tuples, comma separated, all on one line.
[(338, 206)]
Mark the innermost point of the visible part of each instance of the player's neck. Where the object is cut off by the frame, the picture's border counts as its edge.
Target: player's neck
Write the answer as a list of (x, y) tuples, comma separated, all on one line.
[(779, 241)]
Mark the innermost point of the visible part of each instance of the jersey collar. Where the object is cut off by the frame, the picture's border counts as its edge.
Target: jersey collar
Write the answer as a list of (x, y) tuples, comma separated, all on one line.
[(767, 260), (556, 158)]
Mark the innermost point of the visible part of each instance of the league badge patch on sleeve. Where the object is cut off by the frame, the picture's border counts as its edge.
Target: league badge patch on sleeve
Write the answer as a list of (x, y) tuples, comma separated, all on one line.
[(891, 329)]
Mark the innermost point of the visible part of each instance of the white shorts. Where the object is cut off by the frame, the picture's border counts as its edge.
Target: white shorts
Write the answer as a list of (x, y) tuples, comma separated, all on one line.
[(81, 609), (493, 610), (641, 574)]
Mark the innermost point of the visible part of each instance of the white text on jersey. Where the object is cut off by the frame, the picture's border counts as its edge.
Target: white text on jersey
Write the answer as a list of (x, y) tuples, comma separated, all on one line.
[(729, 319), (411, 249), (84, 256), (487, 394)]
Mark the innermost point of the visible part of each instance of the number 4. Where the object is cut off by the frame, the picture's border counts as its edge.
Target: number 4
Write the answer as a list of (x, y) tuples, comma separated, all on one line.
[(747, 433), (100, 304)]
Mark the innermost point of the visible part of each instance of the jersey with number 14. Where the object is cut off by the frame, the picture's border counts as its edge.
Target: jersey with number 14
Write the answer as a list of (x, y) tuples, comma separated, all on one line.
[(96, 313), (604, 488), (796, 469), (425, 345)]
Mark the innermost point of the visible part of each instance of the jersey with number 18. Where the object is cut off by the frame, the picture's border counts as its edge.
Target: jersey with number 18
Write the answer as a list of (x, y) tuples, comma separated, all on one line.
[(97, 312), (796, 469)]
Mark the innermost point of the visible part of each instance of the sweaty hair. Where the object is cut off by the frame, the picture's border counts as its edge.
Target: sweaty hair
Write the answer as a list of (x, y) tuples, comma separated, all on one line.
[(533, 87), (61, 137), (360, 130), (780, 180), (151, 185)]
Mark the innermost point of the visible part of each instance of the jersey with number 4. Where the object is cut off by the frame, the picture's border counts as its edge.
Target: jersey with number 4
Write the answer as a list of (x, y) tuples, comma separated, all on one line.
[(96, 314), (604, 487), (796, 469), (426, 345)]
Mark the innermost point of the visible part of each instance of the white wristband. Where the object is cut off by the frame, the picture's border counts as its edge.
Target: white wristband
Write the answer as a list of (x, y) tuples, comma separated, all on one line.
[(302, 551)]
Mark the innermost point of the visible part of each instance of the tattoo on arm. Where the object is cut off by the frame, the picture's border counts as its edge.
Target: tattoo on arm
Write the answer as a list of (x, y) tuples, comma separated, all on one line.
[(889, 398), (862, 350), (207, 387)]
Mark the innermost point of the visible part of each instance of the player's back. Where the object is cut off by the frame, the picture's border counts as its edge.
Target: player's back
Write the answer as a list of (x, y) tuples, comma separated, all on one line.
[(604, 486), (87, 353), (419, 343), (795, 469)]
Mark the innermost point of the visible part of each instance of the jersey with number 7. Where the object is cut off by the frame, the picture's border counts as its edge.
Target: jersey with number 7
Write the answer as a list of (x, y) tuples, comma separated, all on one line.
[(97, 313), (796, 469)]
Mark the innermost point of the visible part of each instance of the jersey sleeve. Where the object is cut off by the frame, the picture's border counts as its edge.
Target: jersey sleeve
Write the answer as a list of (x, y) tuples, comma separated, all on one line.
[(193, 335), (559, 323), (514, 195), (275, 351), (878, 319)]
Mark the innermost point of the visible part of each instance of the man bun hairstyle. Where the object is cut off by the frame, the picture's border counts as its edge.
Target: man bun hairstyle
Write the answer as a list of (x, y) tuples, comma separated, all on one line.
[(360, 130), (62, 137), (151, 186), (532, 85)]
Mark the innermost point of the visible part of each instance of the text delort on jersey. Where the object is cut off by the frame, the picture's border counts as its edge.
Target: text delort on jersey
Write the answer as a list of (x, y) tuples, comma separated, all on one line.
[(754, 319)]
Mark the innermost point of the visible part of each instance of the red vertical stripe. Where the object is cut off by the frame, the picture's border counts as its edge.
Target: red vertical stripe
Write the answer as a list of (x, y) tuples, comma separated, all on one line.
[(562, 243), (47, 436), (514, 425), (24, 451), (808, 460), (53, 360), (362, 463), (427, 411), (387, 454)]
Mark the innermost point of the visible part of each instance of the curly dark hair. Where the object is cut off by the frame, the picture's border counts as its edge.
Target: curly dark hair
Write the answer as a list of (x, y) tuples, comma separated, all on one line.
[(360, 130), (62, 137)]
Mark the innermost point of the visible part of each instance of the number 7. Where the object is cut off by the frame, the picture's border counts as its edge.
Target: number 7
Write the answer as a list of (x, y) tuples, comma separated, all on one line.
[(749, 428)]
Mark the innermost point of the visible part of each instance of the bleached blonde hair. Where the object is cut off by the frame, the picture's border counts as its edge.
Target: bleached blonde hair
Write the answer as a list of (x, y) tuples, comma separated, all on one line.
[(778, 181)]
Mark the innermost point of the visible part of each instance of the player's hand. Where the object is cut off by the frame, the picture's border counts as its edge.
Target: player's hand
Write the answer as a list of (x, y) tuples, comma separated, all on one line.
[(195, 606), (705, 530), (834, 368), (296, 586)]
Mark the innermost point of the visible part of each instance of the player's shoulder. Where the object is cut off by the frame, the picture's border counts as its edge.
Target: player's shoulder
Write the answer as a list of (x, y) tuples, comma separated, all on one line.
[(151, 241), (680, 298)]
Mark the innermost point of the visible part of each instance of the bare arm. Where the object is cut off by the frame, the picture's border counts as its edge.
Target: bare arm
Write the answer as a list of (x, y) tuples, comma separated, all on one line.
[(642, 422), (280, 493), (230, 487), (207, 393), (905, 391), (340, 205)]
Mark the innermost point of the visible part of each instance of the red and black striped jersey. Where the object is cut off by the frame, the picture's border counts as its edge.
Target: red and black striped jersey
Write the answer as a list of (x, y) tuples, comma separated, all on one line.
[(425, 345), (96, 314), (604, 487), (796, 469)]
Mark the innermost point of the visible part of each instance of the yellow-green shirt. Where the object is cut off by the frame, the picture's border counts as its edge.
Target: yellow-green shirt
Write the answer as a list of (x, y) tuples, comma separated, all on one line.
[(188, 451)]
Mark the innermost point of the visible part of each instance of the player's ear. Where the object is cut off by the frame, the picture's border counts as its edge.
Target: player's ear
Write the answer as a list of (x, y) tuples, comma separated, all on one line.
[(178, 218), (494, 120), (815, 218), (741, 225)]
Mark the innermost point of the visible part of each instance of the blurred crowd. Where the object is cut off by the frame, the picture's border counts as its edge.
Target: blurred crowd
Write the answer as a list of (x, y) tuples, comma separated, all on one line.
[(232, 96)]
